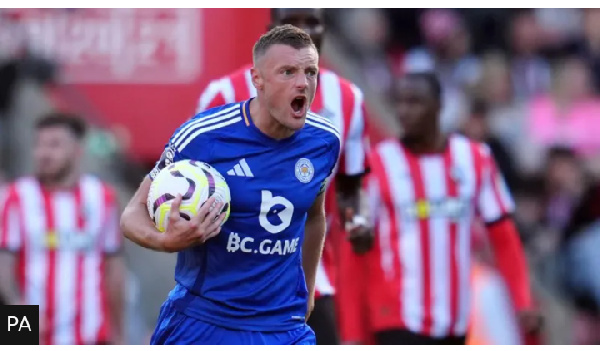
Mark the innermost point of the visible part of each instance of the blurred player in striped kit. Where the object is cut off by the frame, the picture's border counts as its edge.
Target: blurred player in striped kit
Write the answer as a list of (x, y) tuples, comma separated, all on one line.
[(59, 232), (426, 191)]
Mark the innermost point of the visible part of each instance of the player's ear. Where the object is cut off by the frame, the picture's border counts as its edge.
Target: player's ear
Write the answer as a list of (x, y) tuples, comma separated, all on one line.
[(257, 80)]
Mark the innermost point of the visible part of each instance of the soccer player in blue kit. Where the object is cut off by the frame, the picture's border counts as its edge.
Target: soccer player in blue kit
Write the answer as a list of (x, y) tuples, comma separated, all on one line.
[(249, 280)]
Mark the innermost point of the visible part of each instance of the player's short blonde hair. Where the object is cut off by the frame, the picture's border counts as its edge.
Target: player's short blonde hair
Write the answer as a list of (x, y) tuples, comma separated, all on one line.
[(286, 35)]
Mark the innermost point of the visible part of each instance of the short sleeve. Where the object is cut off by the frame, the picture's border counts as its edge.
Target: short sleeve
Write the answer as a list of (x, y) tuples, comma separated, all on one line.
[(10, 221), (334, 156), (494, 200)]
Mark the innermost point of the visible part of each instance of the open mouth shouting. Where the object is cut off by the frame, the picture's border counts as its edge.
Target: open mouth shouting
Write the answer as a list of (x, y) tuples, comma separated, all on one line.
[(299, 106)]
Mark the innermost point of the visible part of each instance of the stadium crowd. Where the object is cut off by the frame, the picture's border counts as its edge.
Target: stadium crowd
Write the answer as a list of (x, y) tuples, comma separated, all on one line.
[(525, 82)]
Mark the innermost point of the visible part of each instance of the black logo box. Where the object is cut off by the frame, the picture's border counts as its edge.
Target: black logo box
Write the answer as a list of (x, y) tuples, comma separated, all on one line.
[(19, 325)]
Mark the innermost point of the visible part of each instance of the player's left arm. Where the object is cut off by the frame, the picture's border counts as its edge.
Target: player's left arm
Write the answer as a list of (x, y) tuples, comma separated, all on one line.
[(115, 270), (314, 238), (353, 167), (495, 206), (315, 228)]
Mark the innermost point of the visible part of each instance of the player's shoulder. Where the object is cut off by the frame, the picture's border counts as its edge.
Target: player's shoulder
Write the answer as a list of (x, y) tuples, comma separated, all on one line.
[(386, 145), (217, 113), (320, 127), (231, 77), (469, 145), (11, 191), (21, 187), (213, 119), (94, 185), (346, 86), (18, 185), (205, 124), (239, 73)]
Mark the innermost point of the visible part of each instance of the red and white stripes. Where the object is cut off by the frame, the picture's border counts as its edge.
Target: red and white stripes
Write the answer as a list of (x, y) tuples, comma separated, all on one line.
[(61, 243), (424, 207)]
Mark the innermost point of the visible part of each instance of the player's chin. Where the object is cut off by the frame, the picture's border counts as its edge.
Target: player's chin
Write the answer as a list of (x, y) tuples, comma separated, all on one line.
[(297, 118), (294, 123)]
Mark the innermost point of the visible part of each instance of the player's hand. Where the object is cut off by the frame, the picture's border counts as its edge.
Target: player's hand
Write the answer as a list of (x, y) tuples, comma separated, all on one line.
[(181, 234), (359, 234)]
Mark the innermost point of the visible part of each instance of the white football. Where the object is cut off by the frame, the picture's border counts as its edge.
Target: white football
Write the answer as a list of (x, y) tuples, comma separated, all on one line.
[(196, 182)]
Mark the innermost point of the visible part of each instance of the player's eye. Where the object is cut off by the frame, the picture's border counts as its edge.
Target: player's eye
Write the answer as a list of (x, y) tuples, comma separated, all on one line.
[(311, 73), (288, 72)]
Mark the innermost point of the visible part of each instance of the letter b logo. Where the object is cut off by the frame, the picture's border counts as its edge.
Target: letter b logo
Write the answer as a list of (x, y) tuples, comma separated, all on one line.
[(271, 206)]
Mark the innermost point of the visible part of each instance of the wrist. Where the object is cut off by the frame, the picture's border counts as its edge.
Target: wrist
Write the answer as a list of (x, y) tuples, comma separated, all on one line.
[(157, 241), (356, 221)]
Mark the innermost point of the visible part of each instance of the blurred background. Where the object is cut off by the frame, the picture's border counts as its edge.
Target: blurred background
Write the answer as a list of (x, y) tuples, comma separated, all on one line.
[(525, 81)]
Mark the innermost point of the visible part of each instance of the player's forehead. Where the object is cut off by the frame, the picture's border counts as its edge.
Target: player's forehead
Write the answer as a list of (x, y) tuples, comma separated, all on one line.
[(413, 88), (285, 55)]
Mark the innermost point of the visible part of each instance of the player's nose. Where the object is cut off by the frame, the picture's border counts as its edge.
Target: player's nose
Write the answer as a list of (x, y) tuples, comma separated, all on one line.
[(301, 81)]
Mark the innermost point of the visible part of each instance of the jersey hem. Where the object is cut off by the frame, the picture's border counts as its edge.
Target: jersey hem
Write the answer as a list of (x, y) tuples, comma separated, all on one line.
[(227, 324)]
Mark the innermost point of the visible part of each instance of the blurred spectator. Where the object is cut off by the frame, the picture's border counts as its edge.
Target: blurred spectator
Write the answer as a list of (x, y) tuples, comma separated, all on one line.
[(447, 52), (528, 195), (588, 48), (564, 183), (568, 116), (559, 26), (581, 277), (494, 86), (368, 33), (507, 117), (530, 72)]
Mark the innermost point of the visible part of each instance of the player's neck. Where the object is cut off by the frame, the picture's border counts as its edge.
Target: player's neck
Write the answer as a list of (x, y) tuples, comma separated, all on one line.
[(68, 182), (267, 124), (434, 143)]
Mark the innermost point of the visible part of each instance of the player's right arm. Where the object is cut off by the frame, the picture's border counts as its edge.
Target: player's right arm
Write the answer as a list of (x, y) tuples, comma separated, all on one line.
[(138, 227), (10, 243), (495, 206)]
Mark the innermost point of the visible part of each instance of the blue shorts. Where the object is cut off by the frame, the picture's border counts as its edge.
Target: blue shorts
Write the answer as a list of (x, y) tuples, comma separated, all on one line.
[(176, 328)]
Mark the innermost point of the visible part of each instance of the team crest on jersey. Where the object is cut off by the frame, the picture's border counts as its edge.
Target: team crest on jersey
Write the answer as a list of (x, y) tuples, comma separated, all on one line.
[(304, 170)]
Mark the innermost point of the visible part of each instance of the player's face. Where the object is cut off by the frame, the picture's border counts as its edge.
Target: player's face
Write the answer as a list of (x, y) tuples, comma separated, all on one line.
[(309, 20), (288, 83), (416, 107), (55, 153)]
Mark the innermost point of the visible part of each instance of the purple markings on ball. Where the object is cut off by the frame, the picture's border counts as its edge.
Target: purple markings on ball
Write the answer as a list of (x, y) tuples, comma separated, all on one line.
[(161, 200)]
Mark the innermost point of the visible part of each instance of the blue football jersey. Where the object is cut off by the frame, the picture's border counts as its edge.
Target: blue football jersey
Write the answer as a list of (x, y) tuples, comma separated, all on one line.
[(250, 276)]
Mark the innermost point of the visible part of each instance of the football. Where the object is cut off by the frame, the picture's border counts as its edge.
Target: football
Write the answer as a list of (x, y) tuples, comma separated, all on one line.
[(196, 182)]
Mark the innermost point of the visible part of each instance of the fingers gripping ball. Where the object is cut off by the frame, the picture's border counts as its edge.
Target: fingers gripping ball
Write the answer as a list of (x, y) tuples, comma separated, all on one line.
[(196, 182)]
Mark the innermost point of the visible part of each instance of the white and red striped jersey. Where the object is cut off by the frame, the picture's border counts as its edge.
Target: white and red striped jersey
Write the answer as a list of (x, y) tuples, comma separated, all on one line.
[(424, 207), (61, 239), (336, 99)]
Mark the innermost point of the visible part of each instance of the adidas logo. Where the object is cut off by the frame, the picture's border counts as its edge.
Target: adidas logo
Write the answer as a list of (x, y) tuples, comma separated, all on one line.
[(241, 169)]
